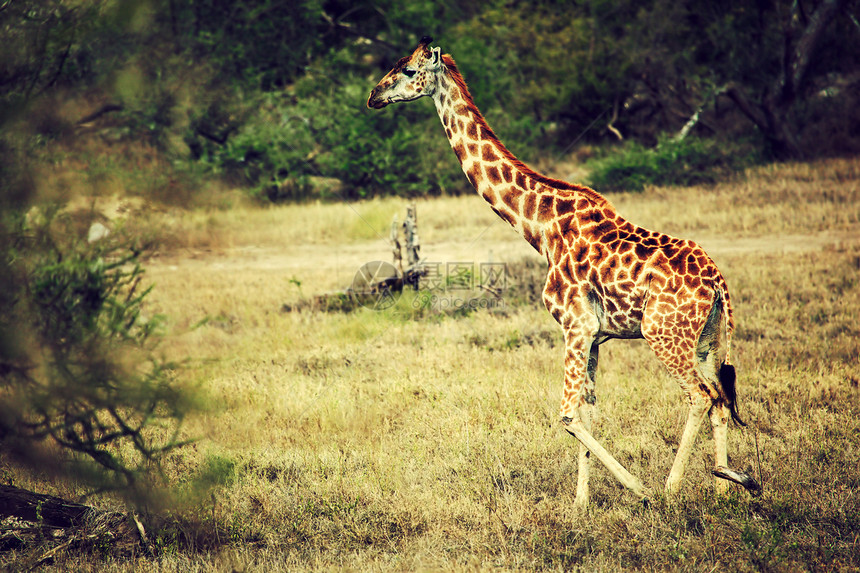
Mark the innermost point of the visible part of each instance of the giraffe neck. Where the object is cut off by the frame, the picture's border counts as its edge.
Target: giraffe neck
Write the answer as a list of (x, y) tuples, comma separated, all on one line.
[(519, 195)]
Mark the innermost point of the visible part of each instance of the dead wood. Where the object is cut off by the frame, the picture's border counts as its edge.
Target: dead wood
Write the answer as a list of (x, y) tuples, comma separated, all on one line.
[(41, 508), (107, 108), (28, 516)]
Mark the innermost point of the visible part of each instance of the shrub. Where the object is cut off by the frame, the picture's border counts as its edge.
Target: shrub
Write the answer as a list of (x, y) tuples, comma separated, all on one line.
[(78, 368), (687, 162), (287, 148)]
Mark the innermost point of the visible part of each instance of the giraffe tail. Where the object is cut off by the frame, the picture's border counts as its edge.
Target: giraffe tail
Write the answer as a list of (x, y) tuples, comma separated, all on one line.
[(727, 375), (727, 383), (714, 340)]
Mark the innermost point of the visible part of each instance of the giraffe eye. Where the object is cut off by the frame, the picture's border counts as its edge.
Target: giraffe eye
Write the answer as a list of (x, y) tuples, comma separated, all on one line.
[(408, 73)]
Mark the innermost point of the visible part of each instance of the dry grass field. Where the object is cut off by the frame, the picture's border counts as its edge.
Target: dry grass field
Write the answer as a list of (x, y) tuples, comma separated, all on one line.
[(413, 438)]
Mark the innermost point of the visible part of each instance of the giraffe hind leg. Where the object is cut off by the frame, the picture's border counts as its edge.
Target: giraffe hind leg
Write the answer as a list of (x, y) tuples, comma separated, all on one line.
[(720, 413), (699, 406), (690, 356), (710, 352)]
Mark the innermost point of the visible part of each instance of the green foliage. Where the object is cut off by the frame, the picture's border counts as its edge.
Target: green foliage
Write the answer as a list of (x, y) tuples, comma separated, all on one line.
[(85, 394), (246, 40), (53, 44), (686, 162), (270, 94), (762, 544), (41, 46), (543, 61), (264, 151), (292, 148), (217, 469)]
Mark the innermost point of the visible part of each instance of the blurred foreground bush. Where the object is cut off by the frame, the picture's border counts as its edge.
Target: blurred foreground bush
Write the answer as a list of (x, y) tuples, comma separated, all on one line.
[(84, 395)]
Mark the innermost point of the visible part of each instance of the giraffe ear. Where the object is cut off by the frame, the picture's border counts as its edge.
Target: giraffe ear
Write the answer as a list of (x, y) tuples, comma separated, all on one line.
[(435, 59)]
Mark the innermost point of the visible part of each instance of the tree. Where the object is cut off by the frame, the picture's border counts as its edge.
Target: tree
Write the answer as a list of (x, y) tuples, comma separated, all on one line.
[(769, 57), (642, 68), (44, 44), (803, 35)]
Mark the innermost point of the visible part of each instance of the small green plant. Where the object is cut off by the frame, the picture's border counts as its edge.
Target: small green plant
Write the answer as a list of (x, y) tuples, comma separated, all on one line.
[(762, 545), (218, 469)]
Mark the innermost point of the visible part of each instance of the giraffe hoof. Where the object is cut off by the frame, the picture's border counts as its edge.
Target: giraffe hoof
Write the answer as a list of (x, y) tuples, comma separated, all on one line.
[(741, 478)]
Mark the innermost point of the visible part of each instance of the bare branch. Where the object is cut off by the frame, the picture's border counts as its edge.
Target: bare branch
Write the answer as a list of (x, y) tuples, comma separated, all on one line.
[(107, 108), (739, 98), (612, 129)]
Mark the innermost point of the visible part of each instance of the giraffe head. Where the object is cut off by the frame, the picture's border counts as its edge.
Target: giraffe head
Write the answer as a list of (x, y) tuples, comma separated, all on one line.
[(412, 77)]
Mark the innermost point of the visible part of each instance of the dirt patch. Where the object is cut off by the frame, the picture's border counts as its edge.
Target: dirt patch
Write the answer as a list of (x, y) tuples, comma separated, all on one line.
[(342, 261), (780, 244)]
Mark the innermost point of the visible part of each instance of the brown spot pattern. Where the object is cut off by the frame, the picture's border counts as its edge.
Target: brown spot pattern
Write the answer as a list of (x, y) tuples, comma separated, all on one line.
[(489, 154)]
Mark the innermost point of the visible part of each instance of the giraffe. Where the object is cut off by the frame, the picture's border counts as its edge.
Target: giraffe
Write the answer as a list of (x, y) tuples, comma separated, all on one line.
[(607, 278)]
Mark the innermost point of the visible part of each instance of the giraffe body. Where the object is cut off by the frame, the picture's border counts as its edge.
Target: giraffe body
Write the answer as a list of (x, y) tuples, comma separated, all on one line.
[(607, 278)]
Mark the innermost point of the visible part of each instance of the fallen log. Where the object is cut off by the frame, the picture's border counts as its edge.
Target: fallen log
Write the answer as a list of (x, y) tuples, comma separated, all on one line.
[(41, 508), (82, 522)]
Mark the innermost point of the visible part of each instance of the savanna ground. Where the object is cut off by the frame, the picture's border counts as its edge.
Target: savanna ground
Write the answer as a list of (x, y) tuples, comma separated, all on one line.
[(412, 439)]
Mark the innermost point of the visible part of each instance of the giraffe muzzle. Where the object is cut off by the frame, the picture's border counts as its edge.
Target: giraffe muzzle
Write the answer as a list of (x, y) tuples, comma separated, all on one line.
[(376, 102)]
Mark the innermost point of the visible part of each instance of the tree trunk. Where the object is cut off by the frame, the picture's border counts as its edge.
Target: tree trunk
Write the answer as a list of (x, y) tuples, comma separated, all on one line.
[(771, 120)]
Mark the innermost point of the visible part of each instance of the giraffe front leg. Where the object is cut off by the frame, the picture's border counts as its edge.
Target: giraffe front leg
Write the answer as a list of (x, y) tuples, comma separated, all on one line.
[(578, 402), (586, 413), (576, 415), (583, 469), (576, 427), (699, 406)]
